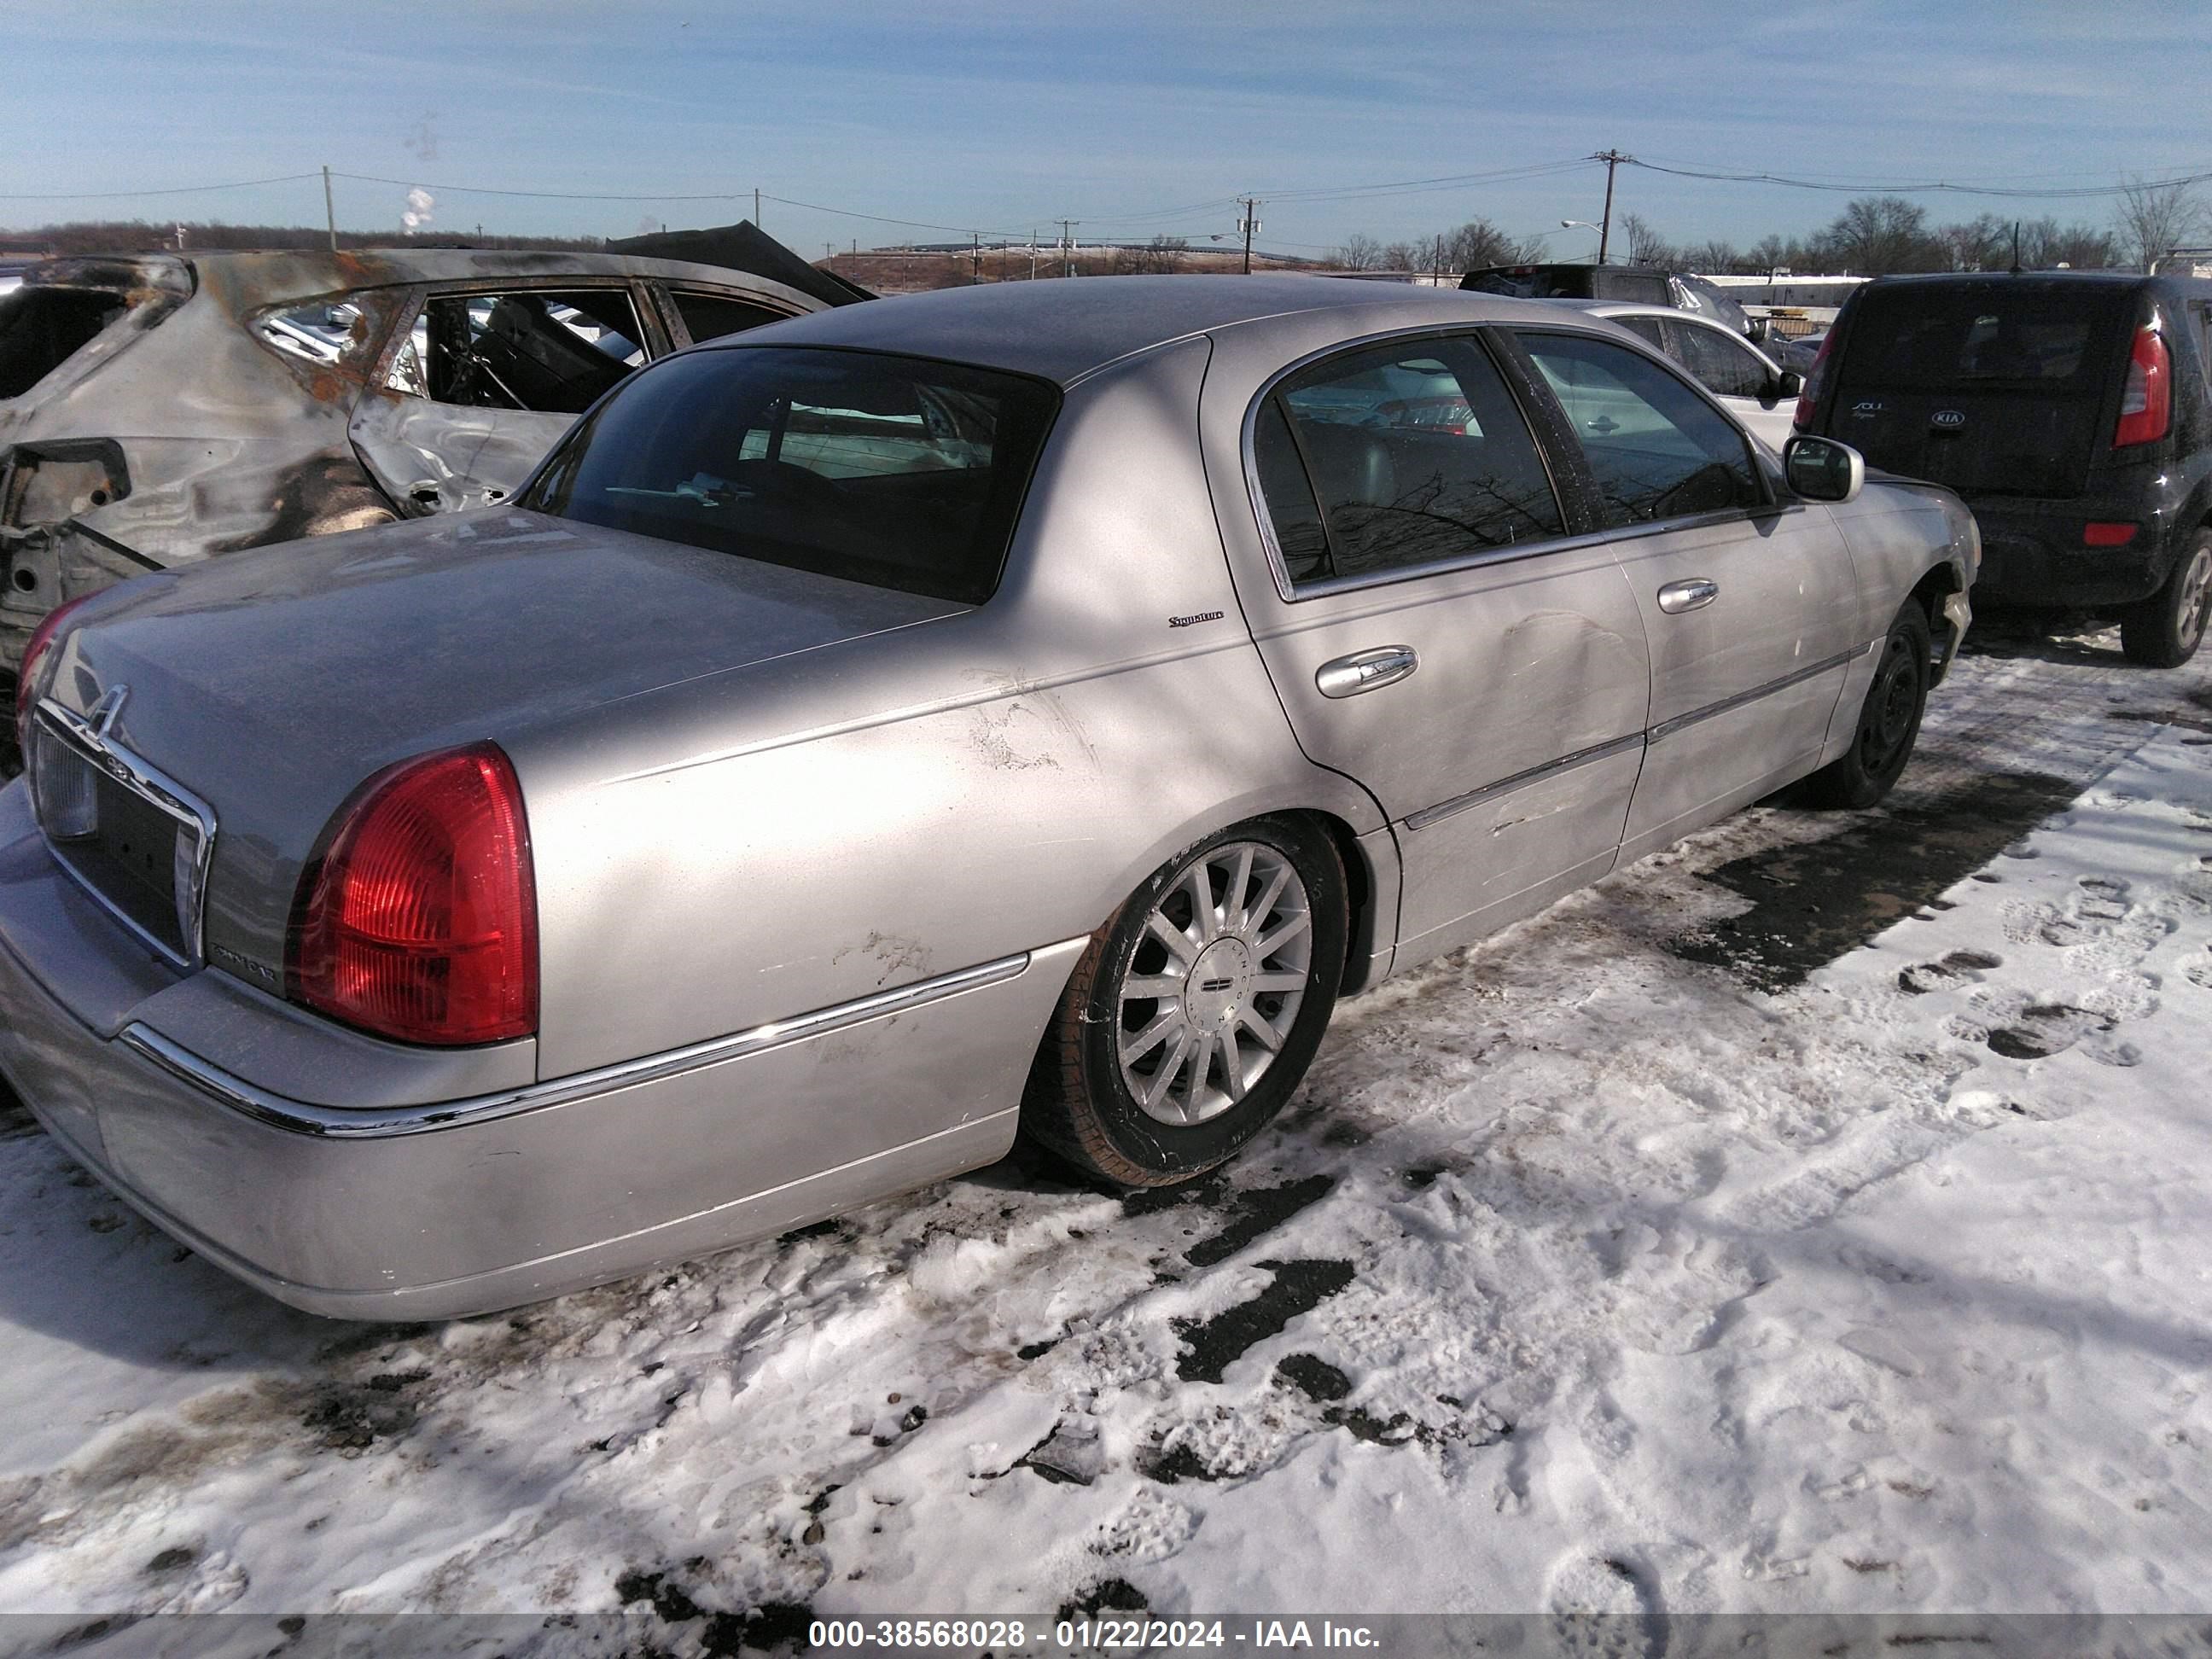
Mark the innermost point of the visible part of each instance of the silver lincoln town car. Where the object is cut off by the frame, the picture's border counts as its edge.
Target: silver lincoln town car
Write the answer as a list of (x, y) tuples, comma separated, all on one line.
[(1023, 707)]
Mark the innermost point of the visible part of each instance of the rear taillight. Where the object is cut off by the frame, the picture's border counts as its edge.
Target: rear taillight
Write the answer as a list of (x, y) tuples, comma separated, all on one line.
[(27, 676), (420, 923), (1810, 395), (2100, 533), (2146, 404)]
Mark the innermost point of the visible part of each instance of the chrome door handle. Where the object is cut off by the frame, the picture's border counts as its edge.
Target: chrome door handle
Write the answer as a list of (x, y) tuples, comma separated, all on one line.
[(1364, 671), (1677, 597)]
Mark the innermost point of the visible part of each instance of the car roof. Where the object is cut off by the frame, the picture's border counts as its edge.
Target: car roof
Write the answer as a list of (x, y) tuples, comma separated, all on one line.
[(1637, 308), (2041, 279), (273, 277), (1064, 329)]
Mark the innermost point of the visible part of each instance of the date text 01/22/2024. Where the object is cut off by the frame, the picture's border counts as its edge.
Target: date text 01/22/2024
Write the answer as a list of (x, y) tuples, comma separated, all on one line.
[(1087, 1635)]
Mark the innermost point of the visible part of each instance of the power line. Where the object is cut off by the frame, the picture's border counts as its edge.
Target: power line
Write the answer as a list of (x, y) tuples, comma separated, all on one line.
[(174, 189), (1924, 186)]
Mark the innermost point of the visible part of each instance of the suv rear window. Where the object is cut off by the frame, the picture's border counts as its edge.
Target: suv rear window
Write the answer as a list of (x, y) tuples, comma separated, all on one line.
[(1533, 282), (896, 472), (1940, 337)]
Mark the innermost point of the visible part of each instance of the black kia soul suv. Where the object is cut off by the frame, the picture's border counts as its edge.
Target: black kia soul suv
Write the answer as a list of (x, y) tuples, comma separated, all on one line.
[(2070, 409)]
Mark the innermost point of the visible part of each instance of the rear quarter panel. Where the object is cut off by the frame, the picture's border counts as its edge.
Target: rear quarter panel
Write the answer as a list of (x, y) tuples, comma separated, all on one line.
[(761, 844)]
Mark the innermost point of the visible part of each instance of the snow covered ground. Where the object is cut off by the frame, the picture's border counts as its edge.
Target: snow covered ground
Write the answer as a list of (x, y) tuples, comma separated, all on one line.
[(1642, 1258)]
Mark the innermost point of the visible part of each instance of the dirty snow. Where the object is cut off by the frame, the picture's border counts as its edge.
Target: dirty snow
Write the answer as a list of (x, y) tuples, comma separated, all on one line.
[(1624, 1263)]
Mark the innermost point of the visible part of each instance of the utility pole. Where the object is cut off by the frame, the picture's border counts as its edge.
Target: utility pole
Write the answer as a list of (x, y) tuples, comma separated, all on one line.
[(1612, 158), (330, 208), (1033, 250), (1247, 224), (976, 274), (1067, 246), (756, 207)]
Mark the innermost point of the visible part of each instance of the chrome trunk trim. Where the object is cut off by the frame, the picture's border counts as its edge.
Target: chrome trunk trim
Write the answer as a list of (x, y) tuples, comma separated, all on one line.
[(157, 789)]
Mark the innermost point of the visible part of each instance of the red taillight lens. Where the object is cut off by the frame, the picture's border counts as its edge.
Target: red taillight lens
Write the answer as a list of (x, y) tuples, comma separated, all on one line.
[(1810, 395), (2107, 535), (420, 921), (27, 676), (2146, 404)]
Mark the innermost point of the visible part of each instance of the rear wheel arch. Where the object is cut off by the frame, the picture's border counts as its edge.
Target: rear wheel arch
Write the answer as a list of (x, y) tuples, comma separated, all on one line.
[(1118, 1011)]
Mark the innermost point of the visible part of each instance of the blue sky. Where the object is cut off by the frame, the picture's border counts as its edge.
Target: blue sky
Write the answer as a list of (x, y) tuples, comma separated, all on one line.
[(1135, 117)]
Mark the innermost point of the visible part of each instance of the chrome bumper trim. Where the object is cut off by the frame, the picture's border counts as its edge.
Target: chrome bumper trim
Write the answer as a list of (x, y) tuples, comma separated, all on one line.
[(347, 1123)]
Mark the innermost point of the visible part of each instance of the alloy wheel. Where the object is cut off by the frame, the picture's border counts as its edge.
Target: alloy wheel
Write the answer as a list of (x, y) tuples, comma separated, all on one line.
[(1209, 993)]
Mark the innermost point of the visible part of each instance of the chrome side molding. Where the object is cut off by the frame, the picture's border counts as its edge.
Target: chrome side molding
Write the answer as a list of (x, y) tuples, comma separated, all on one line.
[(347, 1123)]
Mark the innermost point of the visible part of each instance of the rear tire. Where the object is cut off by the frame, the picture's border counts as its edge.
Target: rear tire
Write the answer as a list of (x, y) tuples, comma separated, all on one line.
[(1889, 723), (1193, 1016), (2165, 631)]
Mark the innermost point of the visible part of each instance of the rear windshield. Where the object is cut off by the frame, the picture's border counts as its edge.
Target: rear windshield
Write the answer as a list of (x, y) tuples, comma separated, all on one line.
[(1941, 338), (42, 328), (891, 470)]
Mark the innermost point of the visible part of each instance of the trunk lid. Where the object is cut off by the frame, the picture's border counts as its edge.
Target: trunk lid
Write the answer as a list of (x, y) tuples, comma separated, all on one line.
[(1995, 388), (272, 684)]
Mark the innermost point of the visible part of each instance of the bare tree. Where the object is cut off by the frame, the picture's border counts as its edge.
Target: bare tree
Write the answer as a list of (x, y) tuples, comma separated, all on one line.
[(2044, 244), (1405, 256), (1984, 243), (1713, 257), (2150, 220), (1878, 235), (1357, 253), (1163, 256), (1646, 246), (1478, 243)]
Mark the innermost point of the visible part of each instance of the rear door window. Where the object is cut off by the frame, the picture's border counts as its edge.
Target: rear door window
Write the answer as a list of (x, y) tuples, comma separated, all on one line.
[(1648, 328), (710, 316), (1719, 362), (891, 470), (1655, 449), (42, 328), (1397, 456), (550, 350)]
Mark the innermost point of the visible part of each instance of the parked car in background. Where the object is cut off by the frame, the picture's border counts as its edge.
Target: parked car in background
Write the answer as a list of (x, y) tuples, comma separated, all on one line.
[(2070, 410), (1643, 285), (157, 410), (1751, 386), (443, 915)]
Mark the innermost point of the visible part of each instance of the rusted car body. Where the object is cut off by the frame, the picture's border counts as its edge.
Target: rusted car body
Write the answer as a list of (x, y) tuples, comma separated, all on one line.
[(155, 410)]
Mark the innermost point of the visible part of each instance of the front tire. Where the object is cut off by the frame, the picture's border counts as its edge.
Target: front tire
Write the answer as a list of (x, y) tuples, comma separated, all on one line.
[(1195, 1011), (2165, 631), (1889, 720)]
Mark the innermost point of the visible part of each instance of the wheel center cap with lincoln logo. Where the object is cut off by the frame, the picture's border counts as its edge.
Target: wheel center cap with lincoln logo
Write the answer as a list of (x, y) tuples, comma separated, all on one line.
[(1216, 989)]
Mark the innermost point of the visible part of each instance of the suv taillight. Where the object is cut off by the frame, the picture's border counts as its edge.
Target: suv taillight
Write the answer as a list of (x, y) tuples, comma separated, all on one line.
[(1810, 396), (2147, 401), (420, 922), (27, 676)]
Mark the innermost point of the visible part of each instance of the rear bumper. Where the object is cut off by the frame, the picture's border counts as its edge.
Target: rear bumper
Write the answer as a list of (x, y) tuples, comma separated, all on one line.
[(431, 1212), (2033, 554)]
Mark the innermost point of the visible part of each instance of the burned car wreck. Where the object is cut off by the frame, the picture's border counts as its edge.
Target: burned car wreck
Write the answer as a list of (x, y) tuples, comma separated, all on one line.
[(160, 408)]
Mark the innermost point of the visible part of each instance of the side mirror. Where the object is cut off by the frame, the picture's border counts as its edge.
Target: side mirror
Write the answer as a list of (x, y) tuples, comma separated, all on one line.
[(1788, 384), (1822, 469), (1756, 329)]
